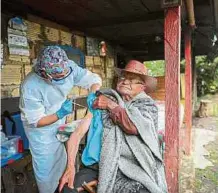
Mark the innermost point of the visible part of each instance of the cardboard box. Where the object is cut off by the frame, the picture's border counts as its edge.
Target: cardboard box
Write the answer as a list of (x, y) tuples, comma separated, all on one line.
[(75, 91), (65, 37), (45, 22), (27, 70), (110, 62), (70, 117), (10, 91), (80, 113), (52, 34), (90, 69), (110, 72), (89, 61), (103, 75), (109, 83), (97, 61), (15, 92), (98, 70), (104, 83), (34, 29), (80, 42), (17, 58), (11, 74), (83, 92)]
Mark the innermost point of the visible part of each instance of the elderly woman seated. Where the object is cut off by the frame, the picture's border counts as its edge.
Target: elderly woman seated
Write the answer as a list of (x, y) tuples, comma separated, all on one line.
[(129, 153)]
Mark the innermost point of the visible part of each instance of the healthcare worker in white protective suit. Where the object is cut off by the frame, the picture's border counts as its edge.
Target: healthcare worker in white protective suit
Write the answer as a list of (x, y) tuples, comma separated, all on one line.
[(44, 106)]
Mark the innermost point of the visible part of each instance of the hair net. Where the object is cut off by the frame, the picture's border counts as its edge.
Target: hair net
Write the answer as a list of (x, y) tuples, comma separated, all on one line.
[(51, 59)]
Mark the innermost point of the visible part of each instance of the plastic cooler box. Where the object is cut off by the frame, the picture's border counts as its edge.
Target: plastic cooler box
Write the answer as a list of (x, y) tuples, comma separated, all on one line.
[(9, 148), (19, 129)]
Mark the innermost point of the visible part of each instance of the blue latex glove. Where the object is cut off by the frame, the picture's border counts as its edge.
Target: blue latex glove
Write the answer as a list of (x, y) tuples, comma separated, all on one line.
[(66, 108)]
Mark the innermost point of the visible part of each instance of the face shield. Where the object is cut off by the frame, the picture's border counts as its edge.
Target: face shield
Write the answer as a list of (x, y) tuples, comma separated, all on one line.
[(60, 79)]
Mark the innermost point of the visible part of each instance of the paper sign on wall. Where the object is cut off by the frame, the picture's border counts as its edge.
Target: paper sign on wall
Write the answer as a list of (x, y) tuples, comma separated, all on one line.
[(17, 40)]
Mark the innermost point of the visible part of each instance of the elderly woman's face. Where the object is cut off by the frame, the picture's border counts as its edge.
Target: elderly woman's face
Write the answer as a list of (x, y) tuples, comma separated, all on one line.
[(130, 84)]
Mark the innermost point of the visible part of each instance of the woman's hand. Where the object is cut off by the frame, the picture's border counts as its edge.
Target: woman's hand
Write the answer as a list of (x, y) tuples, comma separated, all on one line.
[(103, 102), (67, 178)]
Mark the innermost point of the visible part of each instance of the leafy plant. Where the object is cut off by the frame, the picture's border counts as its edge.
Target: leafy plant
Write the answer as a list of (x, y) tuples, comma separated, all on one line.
[(207, 75), (156, 68), (207, 71)]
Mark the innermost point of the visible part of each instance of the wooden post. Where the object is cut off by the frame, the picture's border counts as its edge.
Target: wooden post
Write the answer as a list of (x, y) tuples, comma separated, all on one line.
[(194, 78), (172, 29), (188, 91)]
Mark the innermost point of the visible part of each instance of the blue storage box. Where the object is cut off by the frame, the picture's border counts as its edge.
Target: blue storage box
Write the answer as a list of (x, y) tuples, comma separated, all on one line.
[(19, 128)]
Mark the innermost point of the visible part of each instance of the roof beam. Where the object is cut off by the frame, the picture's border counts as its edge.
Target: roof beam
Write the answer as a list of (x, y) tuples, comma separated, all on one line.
[(147, 38), (122, 20), (150, 57), (13, 7), (204, 24), (201, 2), (215, 13), (151, 47), (116, 5), (137, 52), (146, 54)]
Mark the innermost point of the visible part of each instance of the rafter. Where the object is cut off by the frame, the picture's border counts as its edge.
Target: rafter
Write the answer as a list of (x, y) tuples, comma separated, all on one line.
[(116, 5), (151, 47), (122, 20), (80, 5), (215, 13), (150, 57), (144, 39)]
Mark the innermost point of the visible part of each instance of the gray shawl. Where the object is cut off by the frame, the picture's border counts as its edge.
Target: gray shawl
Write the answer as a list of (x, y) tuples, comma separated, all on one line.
[(146, 165)]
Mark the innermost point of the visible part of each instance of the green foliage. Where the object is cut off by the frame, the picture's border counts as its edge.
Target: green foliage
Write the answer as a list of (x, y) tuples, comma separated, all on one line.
[(156, 68), (182, 66), (207, 75), (207, 72)]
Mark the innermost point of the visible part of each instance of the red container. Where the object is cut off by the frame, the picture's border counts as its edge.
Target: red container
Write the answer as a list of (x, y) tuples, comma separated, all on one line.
[(20, 146)]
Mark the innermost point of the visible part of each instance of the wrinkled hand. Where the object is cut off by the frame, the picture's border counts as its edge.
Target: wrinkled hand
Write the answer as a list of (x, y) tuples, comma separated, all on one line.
[(66, 108), (103, 102), (67, 178)]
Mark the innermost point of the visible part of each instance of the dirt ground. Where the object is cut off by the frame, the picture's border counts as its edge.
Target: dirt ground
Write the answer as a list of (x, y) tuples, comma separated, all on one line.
[(199, 172), (206, 173)]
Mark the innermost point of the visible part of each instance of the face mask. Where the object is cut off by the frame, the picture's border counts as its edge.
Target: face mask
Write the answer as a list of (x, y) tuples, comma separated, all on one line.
[(58, 82), (61, 81)]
